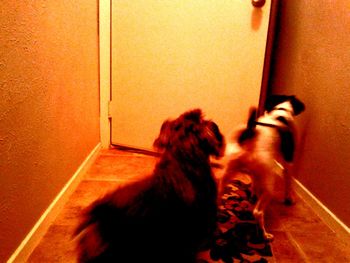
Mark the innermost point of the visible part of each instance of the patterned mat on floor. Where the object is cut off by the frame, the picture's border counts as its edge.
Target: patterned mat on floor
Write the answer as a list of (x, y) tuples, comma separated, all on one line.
[(238, 239)]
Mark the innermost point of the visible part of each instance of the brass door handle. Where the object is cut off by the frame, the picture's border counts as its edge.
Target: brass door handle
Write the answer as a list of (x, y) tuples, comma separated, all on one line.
[(258, 3)]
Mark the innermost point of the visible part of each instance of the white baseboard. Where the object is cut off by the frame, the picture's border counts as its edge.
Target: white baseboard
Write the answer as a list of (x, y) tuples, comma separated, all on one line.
[(37, 232), (342, 230)]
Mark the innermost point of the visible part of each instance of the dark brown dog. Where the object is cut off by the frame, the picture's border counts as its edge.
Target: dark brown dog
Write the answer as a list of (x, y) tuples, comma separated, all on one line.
[(167, 216)]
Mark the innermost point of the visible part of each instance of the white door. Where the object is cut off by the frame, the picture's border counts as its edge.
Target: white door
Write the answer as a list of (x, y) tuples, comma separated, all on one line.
[(169, 56)]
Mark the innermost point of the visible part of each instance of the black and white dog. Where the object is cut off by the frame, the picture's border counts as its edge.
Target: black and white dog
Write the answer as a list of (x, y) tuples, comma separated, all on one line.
[(264, 149), (166, 216)]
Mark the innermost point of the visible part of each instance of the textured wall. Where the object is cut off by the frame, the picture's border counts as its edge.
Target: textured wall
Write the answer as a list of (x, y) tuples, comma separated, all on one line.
[(312, 60), (49, 111)]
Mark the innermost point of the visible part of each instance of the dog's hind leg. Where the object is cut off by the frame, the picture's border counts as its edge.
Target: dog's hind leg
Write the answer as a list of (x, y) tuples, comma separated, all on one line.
[(258, 213), (288, 198)]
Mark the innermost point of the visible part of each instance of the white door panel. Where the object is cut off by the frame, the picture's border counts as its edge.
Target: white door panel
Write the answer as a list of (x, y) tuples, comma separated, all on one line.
[(173, 55)]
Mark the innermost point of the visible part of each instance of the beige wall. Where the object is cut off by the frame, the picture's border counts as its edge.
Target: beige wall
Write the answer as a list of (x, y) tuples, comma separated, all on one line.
[(49, 106), (312, 60)]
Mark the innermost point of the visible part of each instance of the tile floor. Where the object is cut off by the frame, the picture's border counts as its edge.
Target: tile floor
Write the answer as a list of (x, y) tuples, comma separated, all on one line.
[(300, 235)]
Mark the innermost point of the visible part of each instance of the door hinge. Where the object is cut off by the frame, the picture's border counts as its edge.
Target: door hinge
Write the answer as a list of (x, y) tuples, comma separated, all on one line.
[(109, 109)]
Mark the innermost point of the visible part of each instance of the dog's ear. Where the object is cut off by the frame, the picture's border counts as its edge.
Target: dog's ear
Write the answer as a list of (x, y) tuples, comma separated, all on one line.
[(213, 140), (194, 115), (163, 140), (274, 100), (298, 106)]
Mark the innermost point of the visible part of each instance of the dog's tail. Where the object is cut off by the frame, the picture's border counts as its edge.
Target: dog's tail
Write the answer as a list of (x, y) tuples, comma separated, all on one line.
[(249, 132), (88, 217), (92, 244)]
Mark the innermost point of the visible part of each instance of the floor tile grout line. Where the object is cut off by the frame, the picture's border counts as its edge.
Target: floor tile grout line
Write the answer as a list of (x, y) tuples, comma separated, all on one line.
[(108, 180), (129, 155), (298, 247)]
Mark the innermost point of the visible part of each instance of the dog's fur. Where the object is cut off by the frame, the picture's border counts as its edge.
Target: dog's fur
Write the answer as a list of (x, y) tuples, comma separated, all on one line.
[(166, 216), (264, 149)]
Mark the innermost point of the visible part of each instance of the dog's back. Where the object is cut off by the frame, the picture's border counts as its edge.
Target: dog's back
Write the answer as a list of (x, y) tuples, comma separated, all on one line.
[(269, 136), (158, 224)]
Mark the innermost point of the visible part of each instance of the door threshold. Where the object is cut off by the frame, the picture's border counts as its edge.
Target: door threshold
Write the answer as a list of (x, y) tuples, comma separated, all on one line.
[(134, 150)]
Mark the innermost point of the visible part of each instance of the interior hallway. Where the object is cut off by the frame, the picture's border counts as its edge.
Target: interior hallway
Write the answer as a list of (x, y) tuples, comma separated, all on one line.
[(300, 234)]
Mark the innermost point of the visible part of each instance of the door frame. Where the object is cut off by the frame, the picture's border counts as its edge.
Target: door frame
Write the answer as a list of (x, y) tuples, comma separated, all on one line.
[(105, 63), (105, 56), (270, 39)]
